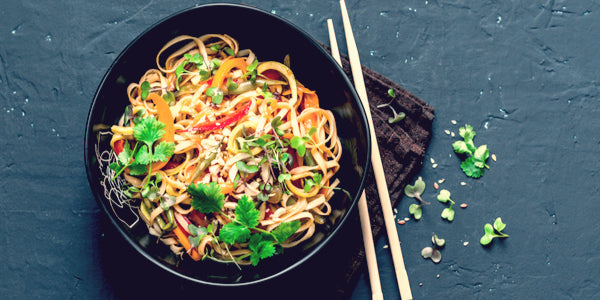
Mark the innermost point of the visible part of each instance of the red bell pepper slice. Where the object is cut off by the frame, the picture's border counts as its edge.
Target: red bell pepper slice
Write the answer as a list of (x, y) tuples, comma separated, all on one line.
[(220, 123)]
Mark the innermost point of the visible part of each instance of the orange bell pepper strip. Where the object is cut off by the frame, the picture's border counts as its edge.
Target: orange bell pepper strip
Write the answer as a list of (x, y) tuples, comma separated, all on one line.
[(183, 239), (165, 117), (225, 68)]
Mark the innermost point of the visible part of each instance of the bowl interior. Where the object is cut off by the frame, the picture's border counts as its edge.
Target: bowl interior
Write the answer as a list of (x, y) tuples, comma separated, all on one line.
[(270, 38)]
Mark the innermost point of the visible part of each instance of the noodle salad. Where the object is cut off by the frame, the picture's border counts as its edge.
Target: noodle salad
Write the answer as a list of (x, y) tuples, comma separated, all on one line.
[(229, 158)]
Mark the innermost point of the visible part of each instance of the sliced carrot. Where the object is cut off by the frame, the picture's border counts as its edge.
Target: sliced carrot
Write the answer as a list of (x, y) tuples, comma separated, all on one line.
[(226, 187), (288, 135), (165, 117), (183, 239), (226, 67)]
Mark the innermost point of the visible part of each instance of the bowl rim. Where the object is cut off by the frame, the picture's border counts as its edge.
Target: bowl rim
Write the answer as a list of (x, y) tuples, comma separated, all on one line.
[(316, 248)]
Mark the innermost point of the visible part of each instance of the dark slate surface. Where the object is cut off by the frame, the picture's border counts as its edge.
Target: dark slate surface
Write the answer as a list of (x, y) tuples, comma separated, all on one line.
[(523, 73)]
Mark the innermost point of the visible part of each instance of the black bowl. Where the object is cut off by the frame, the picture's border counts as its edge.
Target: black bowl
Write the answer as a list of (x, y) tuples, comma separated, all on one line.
[(271, 38)]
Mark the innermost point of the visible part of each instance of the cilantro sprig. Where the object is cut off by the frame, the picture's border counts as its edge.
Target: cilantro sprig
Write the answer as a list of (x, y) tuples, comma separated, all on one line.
[(244, 226), (146, 150), (474, 165)]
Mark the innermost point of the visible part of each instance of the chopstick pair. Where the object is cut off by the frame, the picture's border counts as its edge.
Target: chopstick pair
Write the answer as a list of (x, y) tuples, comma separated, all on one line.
[(384, 196)]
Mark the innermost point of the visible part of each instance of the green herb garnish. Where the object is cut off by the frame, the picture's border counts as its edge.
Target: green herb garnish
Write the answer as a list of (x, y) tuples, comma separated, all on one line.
[(145, 89), (215, 94), (415, 191), (448, 212), (491, 232), (299, 143), (433, 252), (474, 165)]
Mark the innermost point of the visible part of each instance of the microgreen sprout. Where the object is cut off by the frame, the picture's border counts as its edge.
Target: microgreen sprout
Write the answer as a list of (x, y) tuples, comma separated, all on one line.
[(252, 71), (215, 94), (491, 232), (415, 191), (299, 143), (433, 252), (397, 116), (448, 212), (474, 164)]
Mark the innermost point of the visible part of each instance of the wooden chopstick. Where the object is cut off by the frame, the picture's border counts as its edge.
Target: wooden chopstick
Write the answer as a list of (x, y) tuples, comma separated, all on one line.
[(384, 196), (363, 210)]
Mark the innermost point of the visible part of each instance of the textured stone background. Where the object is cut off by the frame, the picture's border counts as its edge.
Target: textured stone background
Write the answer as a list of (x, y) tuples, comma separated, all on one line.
[(523, 73)]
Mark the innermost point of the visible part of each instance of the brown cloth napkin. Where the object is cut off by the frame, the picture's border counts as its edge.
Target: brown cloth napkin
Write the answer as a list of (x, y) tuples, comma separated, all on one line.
[(402, 147)]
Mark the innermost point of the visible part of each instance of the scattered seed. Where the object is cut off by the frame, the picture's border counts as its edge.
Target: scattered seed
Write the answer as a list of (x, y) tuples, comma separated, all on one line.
[(494, 157), (434, 166), (420, 284), (465, 244), (464, 205), (432, 160), (406, 219), (436, 185), (401, 222), (453, 122), (463, 183), (447, 131), (437, 276), (441, 180), (452, 134), (395, 210), (385, 246)]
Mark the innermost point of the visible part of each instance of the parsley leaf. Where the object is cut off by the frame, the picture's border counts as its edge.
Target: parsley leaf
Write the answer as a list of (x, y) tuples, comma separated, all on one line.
[(206, 198), (468, 166), (246, 213), (285, 230)]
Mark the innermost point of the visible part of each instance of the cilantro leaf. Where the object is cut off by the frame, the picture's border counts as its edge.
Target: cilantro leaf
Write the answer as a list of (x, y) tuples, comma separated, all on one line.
[(468, 166), (461, 147), (261, 248), (163, 151), (206, 198), (482, 153), (125, 156), (467, 132), (136, 170), (285, 230), (143, 157), (246, 213), (234, 233), (148, 130)]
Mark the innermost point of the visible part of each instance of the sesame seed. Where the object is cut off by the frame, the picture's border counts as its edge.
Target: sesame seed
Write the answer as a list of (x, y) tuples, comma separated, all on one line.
[(463, 183), (432, 160), (453, 122), (434, 166), (406, 219), (447, 131), (494, 157), (395, 210), (420, 284), (464, 205), (465, 244), (442, 180), (437, 276), (385, 246), (452, 134), (436, 185)]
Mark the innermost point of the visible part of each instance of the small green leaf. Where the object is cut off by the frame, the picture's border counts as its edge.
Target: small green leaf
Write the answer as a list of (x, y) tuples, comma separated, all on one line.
[(460, 147), (444, 196), (486, 239), (415, 190), (482, 153), (399, 117), (312, 130), (488, 229), (416, 211), (467, 132), (136, 170), (216, 94), (498, 225), (229, 51), (246, 213), (448, 214), (426, 252), (169, 97), (145, 89), (391, 93), (215, 47), (284, 177), (231, 85), (468, 166), (437, 241), (234, 233), (243, 167)]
